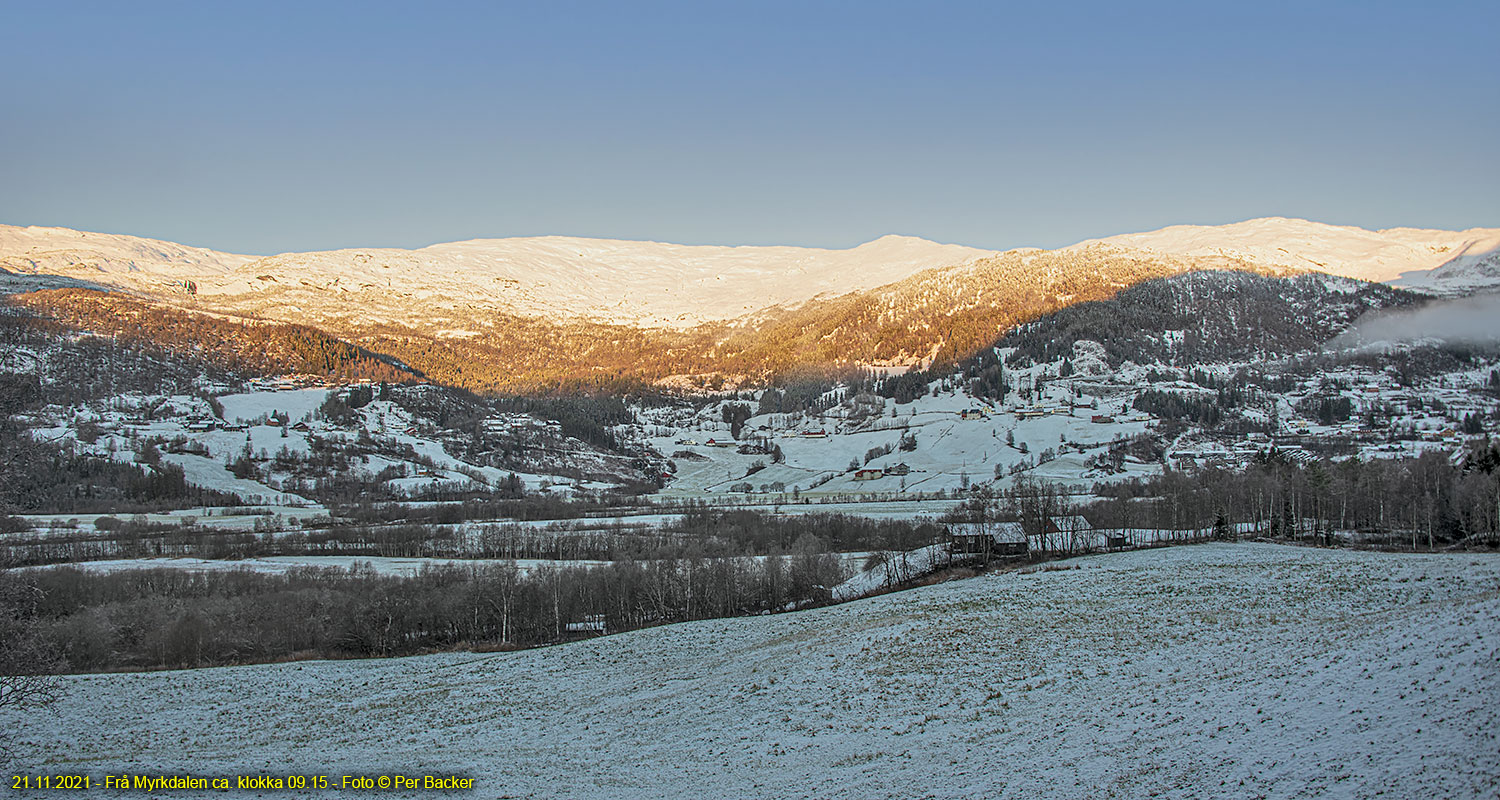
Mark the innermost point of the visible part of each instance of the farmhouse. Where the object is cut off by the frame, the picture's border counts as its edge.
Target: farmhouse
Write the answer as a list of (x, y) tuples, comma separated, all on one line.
[(869, 474), (989, 538)]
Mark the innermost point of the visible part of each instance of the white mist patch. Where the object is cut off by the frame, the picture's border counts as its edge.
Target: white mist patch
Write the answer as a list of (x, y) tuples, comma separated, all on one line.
[(1475, 318)]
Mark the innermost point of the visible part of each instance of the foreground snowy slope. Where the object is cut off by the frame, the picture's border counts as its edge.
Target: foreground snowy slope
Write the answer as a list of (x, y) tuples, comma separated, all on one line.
[(1212, 671)]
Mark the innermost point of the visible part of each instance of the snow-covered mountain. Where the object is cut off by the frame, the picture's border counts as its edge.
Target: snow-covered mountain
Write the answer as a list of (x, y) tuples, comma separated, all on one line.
[(647, 284), (63, 256), (1404, 254), (657, 285), (517, 314)]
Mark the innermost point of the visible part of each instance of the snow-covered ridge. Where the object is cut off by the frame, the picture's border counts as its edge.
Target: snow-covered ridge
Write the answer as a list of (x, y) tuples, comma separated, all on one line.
[(1385, 255), (49, 257), (639, 283), (108, 251), (451, 287)]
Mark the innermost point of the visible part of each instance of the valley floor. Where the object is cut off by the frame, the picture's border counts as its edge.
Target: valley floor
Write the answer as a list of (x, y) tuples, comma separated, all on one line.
[(1223, 670)]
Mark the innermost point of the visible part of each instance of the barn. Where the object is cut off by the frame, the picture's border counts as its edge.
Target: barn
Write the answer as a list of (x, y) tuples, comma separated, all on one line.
[(1071, 533), (987, 538)]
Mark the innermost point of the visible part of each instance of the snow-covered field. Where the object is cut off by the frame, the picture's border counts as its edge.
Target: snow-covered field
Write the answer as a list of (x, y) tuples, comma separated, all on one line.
[(297, 404), (1232, 671), (950, 453)]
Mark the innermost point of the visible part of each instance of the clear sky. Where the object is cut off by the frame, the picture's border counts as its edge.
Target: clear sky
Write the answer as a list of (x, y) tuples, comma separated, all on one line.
[(263, 127)]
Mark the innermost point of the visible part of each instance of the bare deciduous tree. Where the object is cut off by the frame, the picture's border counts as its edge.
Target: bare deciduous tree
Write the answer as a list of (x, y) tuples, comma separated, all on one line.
[(26, 663)]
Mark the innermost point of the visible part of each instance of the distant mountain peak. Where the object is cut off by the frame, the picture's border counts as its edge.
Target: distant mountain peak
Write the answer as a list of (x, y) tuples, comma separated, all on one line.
[(1349, 251)]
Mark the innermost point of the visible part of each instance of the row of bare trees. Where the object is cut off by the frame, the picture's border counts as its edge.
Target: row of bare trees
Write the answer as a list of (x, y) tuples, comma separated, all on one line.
[(707, 532), (178, 618), (1430, 501)]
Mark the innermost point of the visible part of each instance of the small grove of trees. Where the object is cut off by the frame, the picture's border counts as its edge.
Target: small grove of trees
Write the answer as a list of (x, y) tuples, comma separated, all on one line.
[(1327, 410), (1205, 411), (735, 415), (879, 451), (587, 417)]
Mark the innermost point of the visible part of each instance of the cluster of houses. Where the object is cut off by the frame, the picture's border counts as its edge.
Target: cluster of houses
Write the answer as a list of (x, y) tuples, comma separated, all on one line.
[(511, 422), (875, 473)]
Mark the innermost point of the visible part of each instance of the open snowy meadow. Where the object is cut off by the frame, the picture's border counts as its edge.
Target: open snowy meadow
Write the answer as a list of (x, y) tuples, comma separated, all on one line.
[(1225, 670)]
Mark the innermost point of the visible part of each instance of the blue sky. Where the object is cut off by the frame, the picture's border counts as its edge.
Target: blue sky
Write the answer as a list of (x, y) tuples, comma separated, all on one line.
[(266, 127)]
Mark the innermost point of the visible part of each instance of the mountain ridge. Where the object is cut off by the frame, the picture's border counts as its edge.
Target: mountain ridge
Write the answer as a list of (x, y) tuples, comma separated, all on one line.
[(646, 284), (544, 313), (663, 285)]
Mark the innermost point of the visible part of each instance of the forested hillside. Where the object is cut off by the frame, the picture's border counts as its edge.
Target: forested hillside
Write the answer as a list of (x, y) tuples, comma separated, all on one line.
[(1203, 317), (936, 317), (246, 347)]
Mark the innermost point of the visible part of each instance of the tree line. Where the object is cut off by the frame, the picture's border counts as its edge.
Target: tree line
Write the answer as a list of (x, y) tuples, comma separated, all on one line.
[(712, 533), (144, 619), (1424, 502)]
